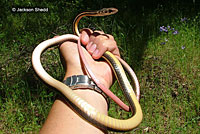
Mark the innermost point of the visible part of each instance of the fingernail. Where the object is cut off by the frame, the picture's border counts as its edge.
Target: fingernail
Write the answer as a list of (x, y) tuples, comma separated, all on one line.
[(93, 47), (96, 52), (89, 45)]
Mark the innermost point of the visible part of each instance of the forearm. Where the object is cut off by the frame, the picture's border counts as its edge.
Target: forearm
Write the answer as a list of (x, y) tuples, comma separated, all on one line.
[(62, 119)]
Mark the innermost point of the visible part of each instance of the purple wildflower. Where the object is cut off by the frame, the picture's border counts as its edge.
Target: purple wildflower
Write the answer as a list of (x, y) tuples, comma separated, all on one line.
[(162, 43), (163, 29), (175, 32), (183, 47), (168, 29)]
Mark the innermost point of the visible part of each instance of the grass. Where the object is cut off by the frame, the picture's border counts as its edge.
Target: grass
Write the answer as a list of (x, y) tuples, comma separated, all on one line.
[(169, 80), (167, 66)]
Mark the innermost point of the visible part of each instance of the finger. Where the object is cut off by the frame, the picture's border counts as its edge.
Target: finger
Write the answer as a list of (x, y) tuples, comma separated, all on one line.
[(107, 36), (89, 45), (99, 51), (87, 30), (110, 36), (106, 45), (104, 36), (100, 32), (97, 38), (92, 48), (112, 47), (100, 37), (96, 33), (85, 36)]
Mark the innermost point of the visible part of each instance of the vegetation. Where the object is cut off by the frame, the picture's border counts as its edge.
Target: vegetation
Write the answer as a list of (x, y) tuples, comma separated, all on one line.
[(159, 40)]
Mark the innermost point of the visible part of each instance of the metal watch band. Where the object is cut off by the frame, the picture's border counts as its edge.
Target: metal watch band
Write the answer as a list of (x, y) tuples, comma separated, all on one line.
[(80, 81), (83, 82)]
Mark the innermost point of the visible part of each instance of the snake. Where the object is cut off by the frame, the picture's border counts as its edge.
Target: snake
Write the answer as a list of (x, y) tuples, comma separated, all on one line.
[(82, 107)]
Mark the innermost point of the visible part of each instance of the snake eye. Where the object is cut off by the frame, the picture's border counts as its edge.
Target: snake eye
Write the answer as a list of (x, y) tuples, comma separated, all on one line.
[(110, 10)]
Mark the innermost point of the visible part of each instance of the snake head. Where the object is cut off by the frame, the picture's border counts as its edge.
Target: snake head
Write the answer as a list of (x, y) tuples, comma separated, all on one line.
[(107, 11)]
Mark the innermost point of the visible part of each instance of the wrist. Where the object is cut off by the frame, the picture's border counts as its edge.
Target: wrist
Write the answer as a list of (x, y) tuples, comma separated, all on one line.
[(83, 82)]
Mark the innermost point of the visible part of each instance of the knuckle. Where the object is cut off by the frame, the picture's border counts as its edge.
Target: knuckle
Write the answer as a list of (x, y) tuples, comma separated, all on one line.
[(98, 31), (104, 45), (114, 43), (110, 36), (103, 36)]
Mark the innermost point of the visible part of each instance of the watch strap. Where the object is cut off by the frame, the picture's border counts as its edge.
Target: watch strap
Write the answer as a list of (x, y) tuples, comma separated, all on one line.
[(83, 82)]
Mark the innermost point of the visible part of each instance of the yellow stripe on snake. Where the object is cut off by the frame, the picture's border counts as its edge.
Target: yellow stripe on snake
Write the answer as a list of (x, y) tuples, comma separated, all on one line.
[(82, 107)]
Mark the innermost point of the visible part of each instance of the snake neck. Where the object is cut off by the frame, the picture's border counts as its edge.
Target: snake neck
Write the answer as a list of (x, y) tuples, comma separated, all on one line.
[(78, 18)]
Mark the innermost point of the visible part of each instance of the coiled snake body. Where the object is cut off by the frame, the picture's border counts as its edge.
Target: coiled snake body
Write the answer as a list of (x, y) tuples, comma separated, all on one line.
[(82, 107)]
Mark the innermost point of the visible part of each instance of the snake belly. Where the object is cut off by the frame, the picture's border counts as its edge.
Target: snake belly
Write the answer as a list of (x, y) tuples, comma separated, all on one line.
[(78, 104)]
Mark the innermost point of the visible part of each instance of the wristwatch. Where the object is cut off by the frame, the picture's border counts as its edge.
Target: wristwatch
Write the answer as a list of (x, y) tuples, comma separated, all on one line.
[(83, 82)]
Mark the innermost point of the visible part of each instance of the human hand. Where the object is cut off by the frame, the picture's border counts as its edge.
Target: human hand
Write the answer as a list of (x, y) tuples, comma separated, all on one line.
[(97, 43)]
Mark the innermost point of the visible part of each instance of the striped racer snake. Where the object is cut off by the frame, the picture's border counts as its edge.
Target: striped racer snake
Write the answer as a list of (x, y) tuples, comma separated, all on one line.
[(84, 109)]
